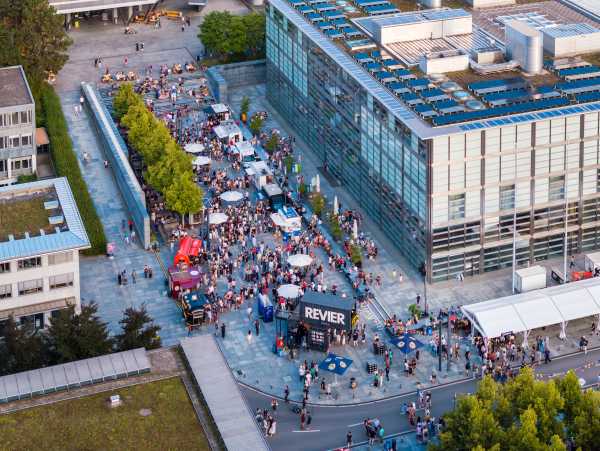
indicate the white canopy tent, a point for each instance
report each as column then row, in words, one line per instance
column 201, row 161
column 232, row 196
column 217, row 218
column 535, row 309
column 289, row 291
column 228, row 130
column 299, row 260
column 194, row 148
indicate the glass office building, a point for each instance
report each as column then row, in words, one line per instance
column 447, row 196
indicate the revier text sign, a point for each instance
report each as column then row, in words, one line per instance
column 326, row 316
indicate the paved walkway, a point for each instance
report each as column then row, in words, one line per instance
column 223, row 397
column 99, row 274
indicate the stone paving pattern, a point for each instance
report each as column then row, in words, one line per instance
column 253, row 363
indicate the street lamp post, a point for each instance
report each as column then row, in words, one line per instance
column 440, row 343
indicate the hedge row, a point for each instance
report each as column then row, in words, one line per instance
column 66, row 165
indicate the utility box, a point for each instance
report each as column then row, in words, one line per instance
column 592, row 261
column 532, row 278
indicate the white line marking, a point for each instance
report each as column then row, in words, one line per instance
column 355, row 424
column 311, row 430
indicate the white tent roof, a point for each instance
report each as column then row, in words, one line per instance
column 535, row 309
column 219, row 108
column 227, row 129
column 245, row 148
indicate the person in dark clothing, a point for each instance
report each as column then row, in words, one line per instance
column 257, row 327
column 286, row 393
column 349, row 439
column 222, row 330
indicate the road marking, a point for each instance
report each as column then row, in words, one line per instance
column 355, row 424
column 311, row 430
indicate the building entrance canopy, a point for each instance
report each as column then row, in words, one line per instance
column 527, row 311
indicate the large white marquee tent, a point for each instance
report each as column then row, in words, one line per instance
column 527, row 311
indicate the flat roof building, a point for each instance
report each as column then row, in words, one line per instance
column 17, row 126
column 70, row 7
column 443, row 161
column 41, row 234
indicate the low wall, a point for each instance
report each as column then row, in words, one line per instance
column 227, row 76
column 116, row 153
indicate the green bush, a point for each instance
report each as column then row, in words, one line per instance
column 356, row 255
column 336, row 230
column 66, row 165
column 317, row 202
column 27, row 178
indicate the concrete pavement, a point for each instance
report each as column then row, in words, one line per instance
column 331, row 423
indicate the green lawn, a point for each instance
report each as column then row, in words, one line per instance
column 89, row 424
column 22, row 216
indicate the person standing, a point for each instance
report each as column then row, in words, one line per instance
column 286, row 394
column 349, row 439
column 302, row 419
column 249, row 337
column 223, row 330
column 274, row 405
column 257, row 326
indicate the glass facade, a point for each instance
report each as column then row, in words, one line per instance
column 454, row 202
column 357, row 140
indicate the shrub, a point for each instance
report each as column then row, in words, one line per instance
column 336, row 230
column 27, row 178
column 66, row 165
column 256, row 123
column 317, row 203
column 356, row 255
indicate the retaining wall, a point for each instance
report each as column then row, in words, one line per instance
column 116, row 153
column 227, row 76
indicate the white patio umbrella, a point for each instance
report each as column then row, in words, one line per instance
column 299, row 260
column 194, row 147
column 318, row 184
column 217, row 218
column 232, row 196
column 336, row 206
column 201, row 161
column 288, row 291
column 355, row 229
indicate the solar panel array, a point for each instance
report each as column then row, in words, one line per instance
column 488, row 99
column 74, row 374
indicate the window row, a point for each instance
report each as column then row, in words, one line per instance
column 13, row 142
column 36, row 262
column 37, row 285
column 16, row 118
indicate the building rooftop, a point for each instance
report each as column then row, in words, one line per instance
column 39, row 218
column 375, row 50
column 14, row 89
column 78, row 6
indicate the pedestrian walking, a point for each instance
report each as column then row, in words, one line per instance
column 257, row 327
column 349, row 439
column 286, row 394
column 249, row 337
column 302, row 419
column 133, row 276
column 222, row 330
column 274, row 405
column 547, row 356
column 81, row 100
column 308, row 419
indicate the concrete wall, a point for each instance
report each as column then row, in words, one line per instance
column 226, row 76
column 116, row 153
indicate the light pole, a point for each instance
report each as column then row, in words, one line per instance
column 425, row 289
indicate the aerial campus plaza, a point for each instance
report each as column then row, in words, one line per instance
column 396, row 199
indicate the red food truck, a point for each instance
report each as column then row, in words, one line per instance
column 189, row 249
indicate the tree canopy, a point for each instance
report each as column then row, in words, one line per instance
column 523, row 414
column 22, row 349
column 32, row 35
column 73, row 337
column 138, row 330
column 233, row 38
column 168, row 167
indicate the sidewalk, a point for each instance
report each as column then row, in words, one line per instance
column 99, row 274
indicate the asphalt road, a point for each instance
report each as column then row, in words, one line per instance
column 331, row 423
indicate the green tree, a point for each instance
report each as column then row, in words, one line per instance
column 73, row 337
column 146, row 134
column 255, row 24
column 184, row 196
column 213, row 31
column 317, row 203
column 139, row 331
column 336, row 230
column 235, row 42
column 586, row 423
column 356, row 255
column 245, row 105
column 272, row 143
column 174, row 164
column 38, row 36
column 256, row 123
column 525, row 434
column 124, row 99
column 22, row 349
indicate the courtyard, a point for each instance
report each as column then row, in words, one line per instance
column 253, row 363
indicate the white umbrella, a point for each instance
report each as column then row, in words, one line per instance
column 318, row 184
column 232, row 196
column 217, row 218
column 201, row 161
column 194, row 147
column 336, row 206
column 582, row 382
column 288, row 291
column 355, row 229
column 299, row 260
